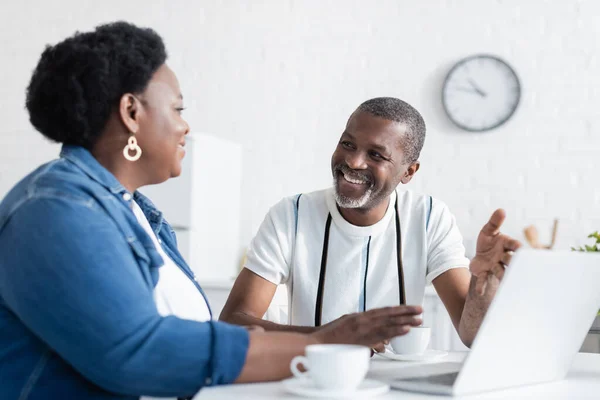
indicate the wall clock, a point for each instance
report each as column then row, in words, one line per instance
column 480, row 93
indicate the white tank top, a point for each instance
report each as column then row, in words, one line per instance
column 175, row 293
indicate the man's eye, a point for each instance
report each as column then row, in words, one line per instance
column 346, row 144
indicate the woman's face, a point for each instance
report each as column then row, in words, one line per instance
column 162, row 129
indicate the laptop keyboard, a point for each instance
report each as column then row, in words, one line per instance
column 443, row 379
column 440, row 379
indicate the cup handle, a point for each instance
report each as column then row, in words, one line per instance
column 294, row 366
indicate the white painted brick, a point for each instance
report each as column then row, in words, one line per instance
column 282, row 77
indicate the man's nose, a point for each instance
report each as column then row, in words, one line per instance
column 356, row 160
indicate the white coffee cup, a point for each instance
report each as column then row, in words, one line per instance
column 333, row 366
column 412, row 343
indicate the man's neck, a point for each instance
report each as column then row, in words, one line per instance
column 365, row 216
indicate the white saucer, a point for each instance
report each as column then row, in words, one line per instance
column 428, row 355
column 304, row 387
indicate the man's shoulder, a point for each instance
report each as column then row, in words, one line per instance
column 310, row 199
column 420, row 205
column 411, row 202
column 288, row 208
column 416, row 200
column 318, row 196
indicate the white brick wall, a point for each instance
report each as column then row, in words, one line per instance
column 281, row 77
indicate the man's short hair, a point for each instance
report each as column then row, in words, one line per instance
column 400, row 111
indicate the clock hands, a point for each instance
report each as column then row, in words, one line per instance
column 476, row 88
column 466, row 89
column 472, row 89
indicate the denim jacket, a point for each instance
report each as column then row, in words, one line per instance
column 77, row 312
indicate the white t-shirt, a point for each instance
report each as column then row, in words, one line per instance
column 361, row 266
column 175, row 293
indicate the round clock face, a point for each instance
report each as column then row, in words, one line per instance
column 481, row 93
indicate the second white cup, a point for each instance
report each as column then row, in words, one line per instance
column 333, row 366
column 412, row 343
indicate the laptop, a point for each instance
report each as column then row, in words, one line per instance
column 541, row 313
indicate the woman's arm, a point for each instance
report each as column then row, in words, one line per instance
column 68, row 273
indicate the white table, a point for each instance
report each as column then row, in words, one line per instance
column 582, row 382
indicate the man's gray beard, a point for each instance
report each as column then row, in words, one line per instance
column 346, row 202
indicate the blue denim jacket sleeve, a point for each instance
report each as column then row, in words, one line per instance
column 80, row 290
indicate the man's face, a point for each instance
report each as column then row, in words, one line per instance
column 368, row 162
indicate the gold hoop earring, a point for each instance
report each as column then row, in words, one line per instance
column 132, row 145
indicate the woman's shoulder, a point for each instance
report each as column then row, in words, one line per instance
column 54, row 182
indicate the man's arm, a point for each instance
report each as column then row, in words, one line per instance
column 465, row 306
column 268, row 262
column 248, row 302
column 467, row 297
column 475, row 309
column 270, row 353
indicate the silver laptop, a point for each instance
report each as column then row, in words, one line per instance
column 535, row 325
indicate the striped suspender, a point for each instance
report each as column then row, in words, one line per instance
column 322, row 273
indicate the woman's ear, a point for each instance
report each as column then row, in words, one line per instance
column 129, row 112
column 410, row 172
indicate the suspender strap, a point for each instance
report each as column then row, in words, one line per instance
column 402, row 295
column 320, row 289
column 319, row 304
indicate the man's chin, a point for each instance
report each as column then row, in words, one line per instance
column 352, row 192
column 345, row 201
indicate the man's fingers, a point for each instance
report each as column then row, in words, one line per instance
column 492, row 227
column 506, row 258
column 498, row 271
column 477, row 269
column 395, row 311
column 379, row 348
column 375, row 326
column 385, row 329
column 390, row 331
column 404, row 320
column 399, row 326
column 512, row 244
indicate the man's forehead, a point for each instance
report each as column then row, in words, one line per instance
column 374, row 127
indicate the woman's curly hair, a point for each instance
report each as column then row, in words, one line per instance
column 78, row 82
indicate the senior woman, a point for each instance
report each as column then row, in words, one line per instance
column 95, row 299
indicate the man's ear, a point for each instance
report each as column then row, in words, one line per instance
column 410, row 172
column 129, row 112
